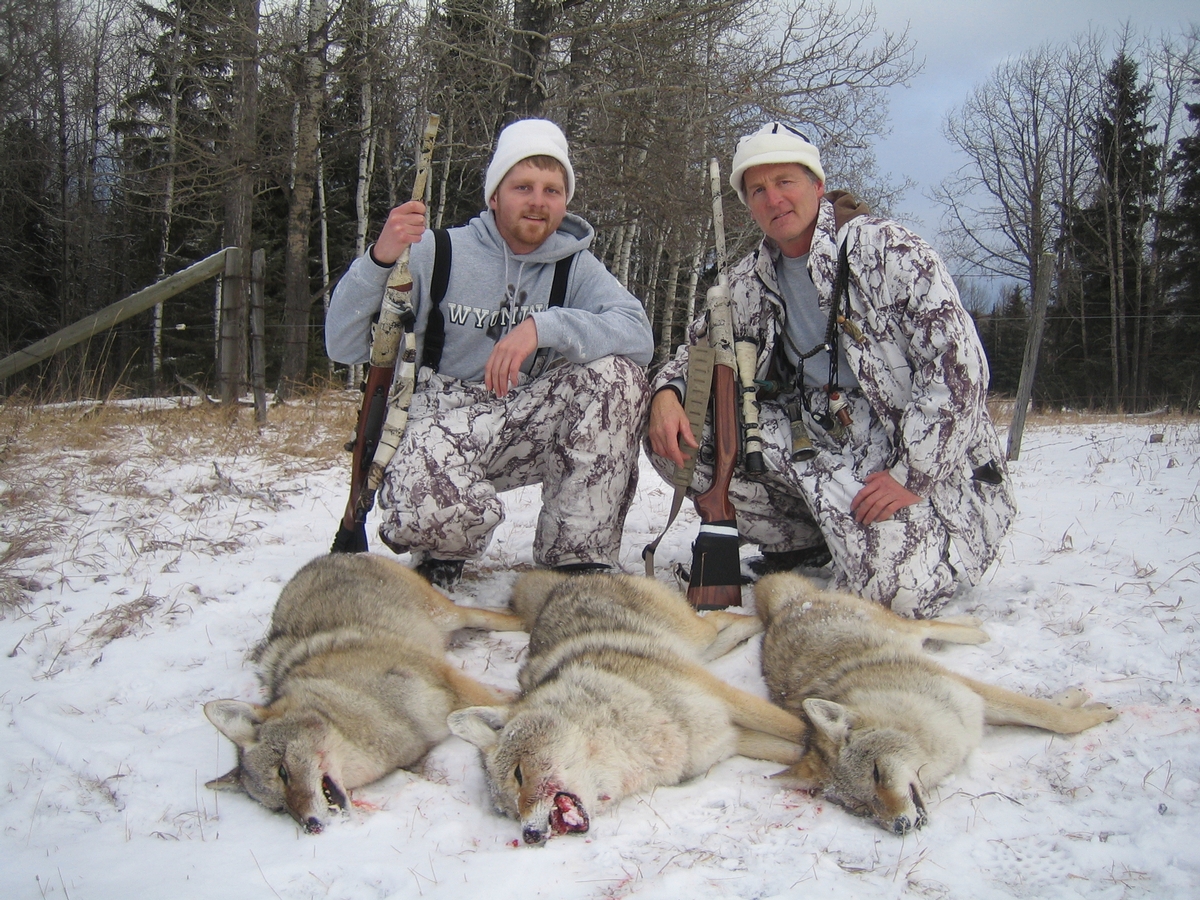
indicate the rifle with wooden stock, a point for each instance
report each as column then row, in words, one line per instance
column 380, row 423
column 716, row 580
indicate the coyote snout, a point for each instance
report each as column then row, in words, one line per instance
column 567, row 815
column 538, row 769
column 876, row 771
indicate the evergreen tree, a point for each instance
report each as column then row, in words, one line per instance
column 1003, row 334
column 1181, row 247
column 1108, row 238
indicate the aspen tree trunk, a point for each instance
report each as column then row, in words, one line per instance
column 626, row 252
column 239, row 202
column 164, row 237
column 297, row 281
column 650, row 301
column 670, row 300
column 366, row 165
column 449, row 144
column 694, row 277
column 323, row 221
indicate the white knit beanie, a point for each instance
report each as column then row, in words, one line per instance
column 521, row 140
column 774, row 143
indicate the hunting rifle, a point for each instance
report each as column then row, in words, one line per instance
column 380, row 424
column 716, row 569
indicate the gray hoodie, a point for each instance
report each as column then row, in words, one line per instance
column 491, row 286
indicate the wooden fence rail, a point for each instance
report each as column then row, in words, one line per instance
column 117, row 312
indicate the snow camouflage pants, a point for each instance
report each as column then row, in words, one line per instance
column 901, row 563
column 574, row 430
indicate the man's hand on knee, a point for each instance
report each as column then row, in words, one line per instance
column 503, row 367
column 669, row 427
column 881, row 498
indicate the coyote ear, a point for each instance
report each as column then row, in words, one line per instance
column 478, row 725
column 832, row 719
column 230, row 781
column 235, row 719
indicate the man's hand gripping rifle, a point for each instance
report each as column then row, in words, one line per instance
column 380, row 424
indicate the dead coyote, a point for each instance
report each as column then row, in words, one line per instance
column 888, row 723
column 357, row 685
column 615, row 700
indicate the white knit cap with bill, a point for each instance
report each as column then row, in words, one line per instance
column 774, row 143
column 521, row 140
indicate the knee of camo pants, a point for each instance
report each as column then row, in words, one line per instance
column 589, row 473
column 602, row 406
column 771, row 508
column 448, row 522
column 434, row 497
column 901, row 563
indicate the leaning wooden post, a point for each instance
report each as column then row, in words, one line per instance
column 92, row 325
column 1033, row 345
column 258, row 360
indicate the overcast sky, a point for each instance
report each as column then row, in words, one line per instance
column 962, row 42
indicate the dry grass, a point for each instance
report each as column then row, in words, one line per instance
column 15, row 589
column 1001, row 410
column 312, row 428
column 57, row 462
column 127, row 619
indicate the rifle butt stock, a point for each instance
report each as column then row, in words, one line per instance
column 351, row 536
column 716, row 567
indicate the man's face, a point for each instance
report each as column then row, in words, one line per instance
column 529, row 205
column 784, row 199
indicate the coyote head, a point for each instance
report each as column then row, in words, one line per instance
column 870, row 771
column 538, row 770
column 281, row 763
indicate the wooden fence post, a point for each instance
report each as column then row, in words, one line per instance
column 258, row 359
column 231, row 351
column 1033, row 345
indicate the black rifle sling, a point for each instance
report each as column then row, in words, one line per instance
column 435, row 328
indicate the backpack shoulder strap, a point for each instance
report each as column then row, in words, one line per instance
column 562, row 271
column 435, row 328
column 558, row 296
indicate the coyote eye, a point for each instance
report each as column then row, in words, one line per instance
column 283, row 774
column 875, row 773
column 517, row 775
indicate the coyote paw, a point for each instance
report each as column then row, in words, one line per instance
column 1099, row 712
column 1071, row 698
column 1083, row 715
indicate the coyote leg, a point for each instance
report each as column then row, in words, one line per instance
column 757, row 745
column 487, row 619
column 471, row 692
column 731, row 630
column 1069, row 716
column 751, row 712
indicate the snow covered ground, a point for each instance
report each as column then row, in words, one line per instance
column 151, row 553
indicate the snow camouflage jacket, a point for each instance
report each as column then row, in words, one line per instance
column 921, row 366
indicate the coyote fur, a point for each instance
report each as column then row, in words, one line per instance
column 615, row 700
column 357, row 685
column 887, row 722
